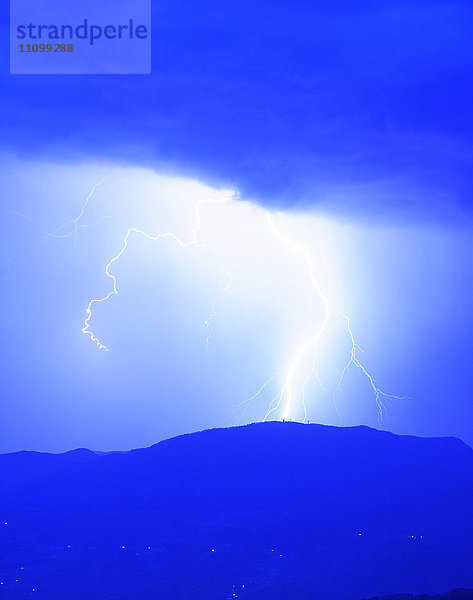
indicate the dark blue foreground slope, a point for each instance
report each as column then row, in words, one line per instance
column 453, row 595
column 268, row 511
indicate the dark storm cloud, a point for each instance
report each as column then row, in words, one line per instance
column 362, row 107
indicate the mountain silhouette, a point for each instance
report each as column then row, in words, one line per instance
column 278, row 511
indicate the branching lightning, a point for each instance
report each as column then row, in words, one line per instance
column 296, row 377
column 291, row 397
column 194, row 241
column 292, row 381
column 60, row 232
column 247, row 402
column 381, row 397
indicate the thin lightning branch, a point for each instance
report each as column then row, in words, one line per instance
column 75, row 221
column 380, row 397
column 194, row 241
column 276, row 402
column 56, row 234
column 222, row 290
column 247, row 402
column 22, row 215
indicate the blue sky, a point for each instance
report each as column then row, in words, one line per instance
column 359, row 113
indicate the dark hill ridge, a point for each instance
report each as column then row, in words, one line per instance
column 273, row 510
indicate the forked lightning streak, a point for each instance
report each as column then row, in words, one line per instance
column 292, row 395
column 194, row 241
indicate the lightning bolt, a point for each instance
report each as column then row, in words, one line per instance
column 248, row 401
column 75, row 222
column 292, row 395
column 288, row 396
column 194, row 241
column 59, row 232
column 381, row 398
